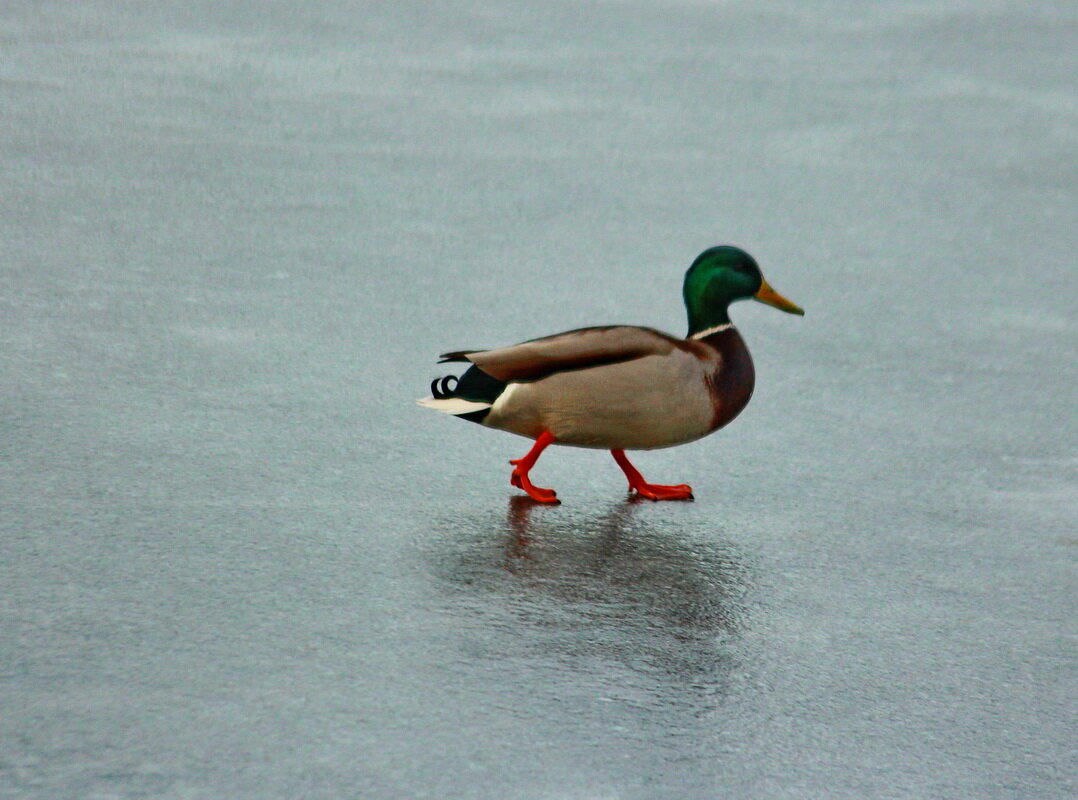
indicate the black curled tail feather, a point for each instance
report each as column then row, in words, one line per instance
column 474, row 385
column 440, row 388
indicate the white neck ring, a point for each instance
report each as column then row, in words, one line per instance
column 705, row 333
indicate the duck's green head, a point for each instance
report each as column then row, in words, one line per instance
column 718, row 277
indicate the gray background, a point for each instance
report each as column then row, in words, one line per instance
column 238, row 562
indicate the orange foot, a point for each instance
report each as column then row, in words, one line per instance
column 520, row 480
column 519, row 477
column 656, row 491
column 652, row 491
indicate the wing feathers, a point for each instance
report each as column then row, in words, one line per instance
column 573, row 350
column 456, row 355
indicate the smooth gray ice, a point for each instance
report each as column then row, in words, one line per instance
column 237, row 561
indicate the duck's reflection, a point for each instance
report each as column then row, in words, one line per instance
column 643, row 590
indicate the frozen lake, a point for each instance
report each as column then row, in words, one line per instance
column 237, row 561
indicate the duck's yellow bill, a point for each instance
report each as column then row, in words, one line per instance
column 770, row 297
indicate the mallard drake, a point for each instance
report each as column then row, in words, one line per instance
column 620, row 387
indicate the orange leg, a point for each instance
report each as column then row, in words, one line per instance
column 523, row 466
column 652, row 491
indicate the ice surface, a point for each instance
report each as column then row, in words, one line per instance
column 236, row 560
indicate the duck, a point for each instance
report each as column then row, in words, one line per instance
column 619, row 387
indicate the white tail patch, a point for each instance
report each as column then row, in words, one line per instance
column 453, row 405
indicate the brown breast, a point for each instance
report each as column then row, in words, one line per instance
column 732, row 380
